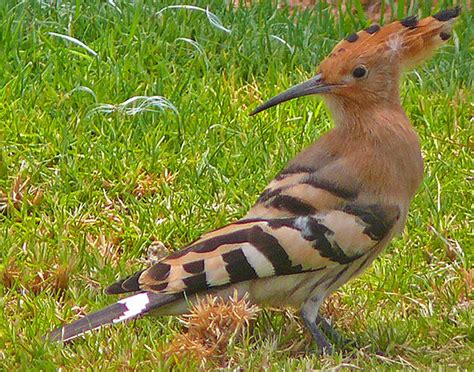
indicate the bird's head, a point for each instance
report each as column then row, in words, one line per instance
column 365, row 67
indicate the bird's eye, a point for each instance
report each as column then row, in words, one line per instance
column 360, row 72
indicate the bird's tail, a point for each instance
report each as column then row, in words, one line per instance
column 128, row 308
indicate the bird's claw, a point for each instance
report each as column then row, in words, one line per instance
column 321, row 329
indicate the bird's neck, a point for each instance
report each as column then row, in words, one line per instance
column 381, row 144
column 383, row 121
column 363, row 115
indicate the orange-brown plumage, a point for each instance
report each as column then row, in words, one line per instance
column 329, row 213
column 386, row 52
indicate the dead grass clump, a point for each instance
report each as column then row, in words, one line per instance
column 455, row 293
column 109, row 248
column 340, row 313
column 148, row 184
column 10, row 275
column 468, row 279
column 21, row 192
column 113, row 209
column 54, row 280
column 465, row 300
column 211, row 326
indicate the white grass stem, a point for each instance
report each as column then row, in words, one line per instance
column 213, row 19
column 285, row 43
column 74, row 41
column 135, row 105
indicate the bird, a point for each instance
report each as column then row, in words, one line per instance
column 327, row 215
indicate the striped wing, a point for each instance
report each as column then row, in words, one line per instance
column 258, row 248
column 301, row 190
column 302, row 222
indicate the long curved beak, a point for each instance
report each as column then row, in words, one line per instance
column 314, row 85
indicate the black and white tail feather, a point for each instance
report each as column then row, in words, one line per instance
column 126, row 309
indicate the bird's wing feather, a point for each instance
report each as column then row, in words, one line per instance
column 258, row 248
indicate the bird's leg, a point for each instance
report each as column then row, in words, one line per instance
column 329, row 330
column 309, row 313
column 324, row 346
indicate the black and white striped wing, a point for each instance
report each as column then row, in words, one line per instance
column 259, row 248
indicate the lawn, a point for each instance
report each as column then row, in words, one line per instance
column 93, row 184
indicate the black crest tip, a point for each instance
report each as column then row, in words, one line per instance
column 447, row 14
column 444, row 36
column 410, row 22
column 352, row 38
column 372, row 29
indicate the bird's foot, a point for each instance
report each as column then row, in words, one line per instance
column 323, row 333
column 323, row 344
column 334, row 335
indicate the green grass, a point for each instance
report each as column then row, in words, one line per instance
column 92, row 226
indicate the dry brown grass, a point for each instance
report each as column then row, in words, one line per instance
column 148, row 184
column 54, row 280
column 21, row 192
column 109, row 247
column 210, row 327
column 10, row 275
column 344, row 316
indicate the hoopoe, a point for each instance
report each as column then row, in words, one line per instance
column 328, row 214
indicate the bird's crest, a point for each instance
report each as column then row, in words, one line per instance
column 365, row 67
column 408, row 41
